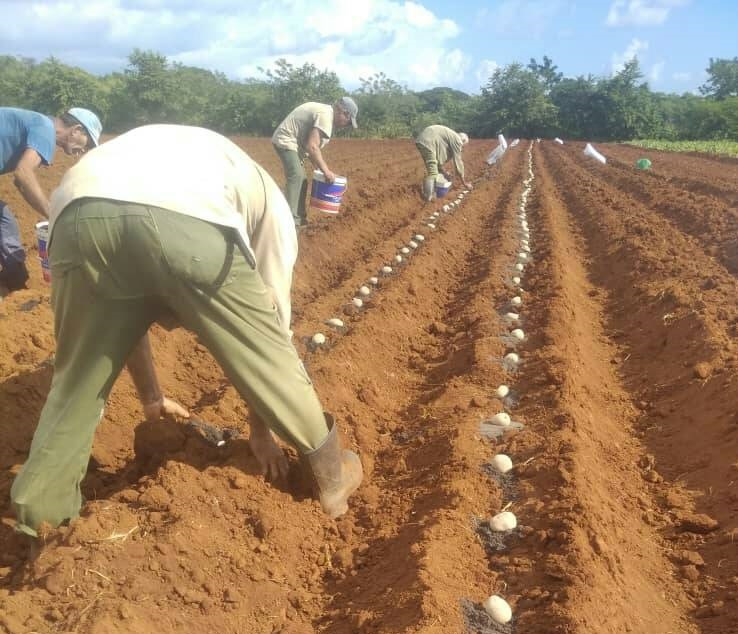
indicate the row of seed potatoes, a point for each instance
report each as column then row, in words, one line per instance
column 506, row 521
column 359, row 302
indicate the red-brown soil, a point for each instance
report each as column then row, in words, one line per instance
column 626, row 473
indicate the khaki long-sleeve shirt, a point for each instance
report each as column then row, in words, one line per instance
column 198, row 173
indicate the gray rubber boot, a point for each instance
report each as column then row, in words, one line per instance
column 429, row 188
column 337, row 472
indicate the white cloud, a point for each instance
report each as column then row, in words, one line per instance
column 409, row 42
column 485, row 70
column 632, row 51
column 524, row 17
column 641, row 12
column 655, row 73
column 418, row 15
column 682, row 76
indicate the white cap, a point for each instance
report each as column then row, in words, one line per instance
column 464, row 137
column 89, row 122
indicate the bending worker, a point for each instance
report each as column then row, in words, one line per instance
column 170, row 222
column 438, row 144
column 303, row 133
column 27, row 140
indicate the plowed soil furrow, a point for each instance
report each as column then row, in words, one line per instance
column 334, row 299
column 670, row 311
column 707, row 213
column 694, row 172
column 411, row 413
column 595, row 540
column 382, row 200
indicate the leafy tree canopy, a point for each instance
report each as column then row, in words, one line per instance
column 526, row 101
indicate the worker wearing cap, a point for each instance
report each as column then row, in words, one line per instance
column 438, row 144
column 172, row 223
column 27, row 140
column 303, row 133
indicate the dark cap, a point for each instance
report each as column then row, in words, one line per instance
column 349, row 105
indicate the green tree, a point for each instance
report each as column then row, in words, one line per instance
column 380, row 84
column 54, row 87
column 14, row 74
column 514, row 102
column 150, row 89
column 723, row 79
column 294, row 85
column 547, row 72
column 630, row 108
column 247, row 108
column 532, row 100
column 199, row 96
column 582, row 109
column 447, row 106
column 386, row 108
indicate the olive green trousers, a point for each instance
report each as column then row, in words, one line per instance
column 116, row 268
column 430, row 160
column 295, row 188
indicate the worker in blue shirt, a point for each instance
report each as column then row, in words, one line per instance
column 28, row 139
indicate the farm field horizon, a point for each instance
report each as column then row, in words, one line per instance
column 624, row 443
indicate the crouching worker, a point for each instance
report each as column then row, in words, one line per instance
column 437, row 145
column 172, row 221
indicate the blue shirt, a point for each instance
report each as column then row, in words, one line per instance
column 22, row 129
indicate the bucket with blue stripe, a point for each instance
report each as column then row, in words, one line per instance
column 42, row 237
column 324, row 196
column 442, row 189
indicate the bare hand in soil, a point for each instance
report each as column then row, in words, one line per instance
column 469, row 186
column 164, row 408
column 272, row 462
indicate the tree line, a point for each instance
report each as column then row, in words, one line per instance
column 533, row 100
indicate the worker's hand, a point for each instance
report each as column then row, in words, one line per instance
column 272, row 461
column 330, row 177
column 164, row 408
column 469, row 186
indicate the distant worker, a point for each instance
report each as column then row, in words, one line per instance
column 438, row 144
column 173, row 224
column 301, row 135
column 27, row 140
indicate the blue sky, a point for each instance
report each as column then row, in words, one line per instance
column 420, row 43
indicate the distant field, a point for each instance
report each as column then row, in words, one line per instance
column 724, row 148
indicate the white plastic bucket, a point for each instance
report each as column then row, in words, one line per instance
column 42, row 236
column 442, row 186
column 324, row 196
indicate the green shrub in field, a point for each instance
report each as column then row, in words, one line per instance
column 723, row 148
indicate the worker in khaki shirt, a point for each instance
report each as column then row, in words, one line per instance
column 437, row 145
column 172, row 221
column 302, row 134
